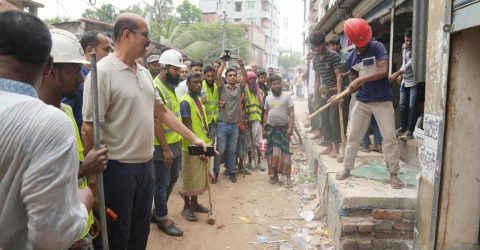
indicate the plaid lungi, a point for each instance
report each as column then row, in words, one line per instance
column 278, row 150
column 194, row 176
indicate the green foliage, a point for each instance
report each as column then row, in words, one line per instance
column 58, row 19
column 189, row 13
column 106, row 13
column 161, row 10
column 136, row 9
column 204, row 41
column 290, row 61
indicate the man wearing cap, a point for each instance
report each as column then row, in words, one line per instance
column 368, row 65
column 153, row 65
column 129, row 111
column 167, row 157
column 63, row 81
column 91, row 41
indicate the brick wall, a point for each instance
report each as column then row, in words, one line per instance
column 381, row 229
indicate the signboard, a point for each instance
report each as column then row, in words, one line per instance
column 427, row 153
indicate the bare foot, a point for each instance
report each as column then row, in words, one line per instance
column 327, row 151
column 315, row 135
column 333, row 154
column 395, row 182
column 343, row 175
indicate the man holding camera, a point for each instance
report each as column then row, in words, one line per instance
column 229, row 116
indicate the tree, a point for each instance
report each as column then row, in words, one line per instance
column 106, row 13
column 160, row 10
column 203, row 41
column 189, row 13
column 291, row 60
column 58, row 19
column 164, row 33
column 136, row 9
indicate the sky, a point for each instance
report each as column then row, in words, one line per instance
column 291, row 15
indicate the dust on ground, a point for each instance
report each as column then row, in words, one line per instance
column 250, row 214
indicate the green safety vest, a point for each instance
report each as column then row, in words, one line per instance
column 82, row 182
column 173, row 105
column 211, row 103
column 199, row 126
column 253, row 107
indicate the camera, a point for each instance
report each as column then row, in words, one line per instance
column 227, row 56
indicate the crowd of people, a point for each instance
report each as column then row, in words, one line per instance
column 363, row 73
column 150, row 111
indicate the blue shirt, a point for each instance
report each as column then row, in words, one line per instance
column 77, row 102
column 365, row 64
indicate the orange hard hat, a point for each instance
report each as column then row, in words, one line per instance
column 358, row 31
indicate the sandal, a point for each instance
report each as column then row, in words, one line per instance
column 342, row 175
column 199, row 208
column 273, row 180
column 289, row 184
column 189, row 215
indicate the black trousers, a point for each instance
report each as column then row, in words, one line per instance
column 129, row 193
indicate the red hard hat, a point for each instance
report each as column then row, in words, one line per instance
column 358, row 31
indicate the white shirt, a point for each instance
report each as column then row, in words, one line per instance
column 39, row 205
column 181, row 89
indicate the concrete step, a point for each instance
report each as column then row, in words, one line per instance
column 364, row 198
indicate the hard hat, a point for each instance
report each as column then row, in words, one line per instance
column 172, row 57
column 66, row 48
column 358, row 31
column 250, row 75
column 153, row 58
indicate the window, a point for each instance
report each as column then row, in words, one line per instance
column 238, row 6
column 265, row 6
column 237, row 20
column 265, row 23
column 250, row 4
column 219, row 6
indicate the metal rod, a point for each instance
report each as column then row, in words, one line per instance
column 96, row 140
column 392, row 37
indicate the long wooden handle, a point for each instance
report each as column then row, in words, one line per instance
column 96, row 138
column 344, row 93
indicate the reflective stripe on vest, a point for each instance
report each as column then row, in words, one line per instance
column 198, row 124
column 172, row 103
column 82, row 182
column 211, row 102
column 253, row 107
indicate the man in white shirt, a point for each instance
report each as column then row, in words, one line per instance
column 40, row 206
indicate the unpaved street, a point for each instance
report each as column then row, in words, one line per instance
column 272, row 209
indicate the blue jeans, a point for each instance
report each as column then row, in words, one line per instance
column 299, row 91
column 165, row 179
column 227, row 137
column 410, row 97
column 377, row 136
column 129, row 193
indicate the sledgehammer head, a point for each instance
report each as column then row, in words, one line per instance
column 211, row 218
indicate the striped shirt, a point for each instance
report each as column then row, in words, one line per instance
column 326, row 67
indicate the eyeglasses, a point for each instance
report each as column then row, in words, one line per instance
column 144, row 33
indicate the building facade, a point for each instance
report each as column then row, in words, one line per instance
column 263, row 13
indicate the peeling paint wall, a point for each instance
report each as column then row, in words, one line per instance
column 460, row 198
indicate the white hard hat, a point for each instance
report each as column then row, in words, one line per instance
column 66, row 48
column 153, row 58
column 172, row 57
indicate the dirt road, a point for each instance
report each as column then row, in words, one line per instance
column 253, row 198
